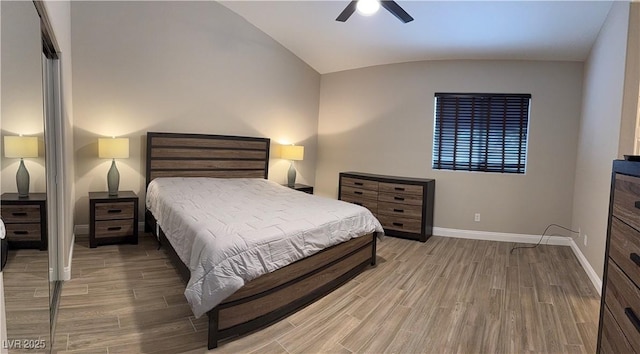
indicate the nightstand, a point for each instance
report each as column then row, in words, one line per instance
column 114, row 219
column 301, row 187
column 25, row 220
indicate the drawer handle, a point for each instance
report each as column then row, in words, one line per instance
column 398, row 210
column 632, row 317
column 357, row 192
column 399, row 189
column 114, row 211
column 635, row 258
column 114, row 228
column 21, row 232
column 398, row 198
column 21, row 213
column 637, row 204
column 398, row 224
column 358, row 183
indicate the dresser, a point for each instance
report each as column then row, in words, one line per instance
column 114, row 219
column 25, row 220
column 404, row 206
column 619, row 330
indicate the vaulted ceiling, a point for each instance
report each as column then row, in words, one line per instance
column 514, row 30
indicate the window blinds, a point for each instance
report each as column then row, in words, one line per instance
column 481, row 132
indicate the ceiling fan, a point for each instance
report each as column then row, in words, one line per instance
column 368, row 7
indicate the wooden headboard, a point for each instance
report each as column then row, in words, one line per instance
column 201, row 155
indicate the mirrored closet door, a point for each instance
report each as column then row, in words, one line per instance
column 30, row 262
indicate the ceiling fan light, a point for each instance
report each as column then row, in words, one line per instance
column 368, row 7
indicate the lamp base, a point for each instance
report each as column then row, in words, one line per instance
column 113, row 179
column 22, row 180
column 291, row 176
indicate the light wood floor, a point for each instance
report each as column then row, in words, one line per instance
column 26, row 296
column 445, row 295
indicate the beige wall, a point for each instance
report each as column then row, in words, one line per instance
column 192, row 67
column 380, row 120
column 600, row 133
column 631, row 84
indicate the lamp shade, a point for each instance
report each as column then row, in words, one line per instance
column 292, row 152
column 113, row 148
column 20, row 146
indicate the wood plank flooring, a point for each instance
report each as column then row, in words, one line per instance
column 26, row 296
column 443, row 296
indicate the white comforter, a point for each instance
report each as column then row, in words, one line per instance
column 229, row 231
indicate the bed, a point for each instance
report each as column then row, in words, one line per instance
column 268, row 297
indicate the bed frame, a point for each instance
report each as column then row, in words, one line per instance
column 272, row 296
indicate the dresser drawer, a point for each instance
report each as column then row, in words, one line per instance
column 359, row 183
column 112, row 211
column 400, row 223
column 613, row 340
column 626, row 199
column 400, row 189
column 358, row 193
column 372, row 205
column 23, row 232
column 114, row 218
column 624, row 249
column 114, row 228
column 21, row 213
column 406, row 199
column 623, row 300
column 403, row 210
column 404, row 206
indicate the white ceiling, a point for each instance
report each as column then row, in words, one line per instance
column 519, row 30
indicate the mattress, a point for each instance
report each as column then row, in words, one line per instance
column 230, row 231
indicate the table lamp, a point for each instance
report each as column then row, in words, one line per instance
column 21, row 147
column 113, row 148
column 293, row 153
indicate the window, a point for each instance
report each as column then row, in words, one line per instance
column 481, row 132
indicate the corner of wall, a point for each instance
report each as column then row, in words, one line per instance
column 629, row 119
column 600, row 137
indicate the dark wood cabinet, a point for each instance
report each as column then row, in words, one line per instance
column 619, row 329
column 301, row 187
column 404, row 206
column 114, row 219
column 25, row 220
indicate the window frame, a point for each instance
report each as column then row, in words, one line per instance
column 488, row 137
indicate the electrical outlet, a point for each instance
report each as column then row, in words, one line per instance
column 585, row 239
column 477, row 217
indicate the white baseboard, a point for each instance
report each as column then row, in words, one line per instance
column 84, row 229
column 501, row 236
column 66, row 275
column 591, row 273
column 523, row 238
column 66, row 271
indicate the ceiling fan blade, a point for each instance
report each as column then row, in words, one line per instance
column 347, row 12
column 396, row 10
